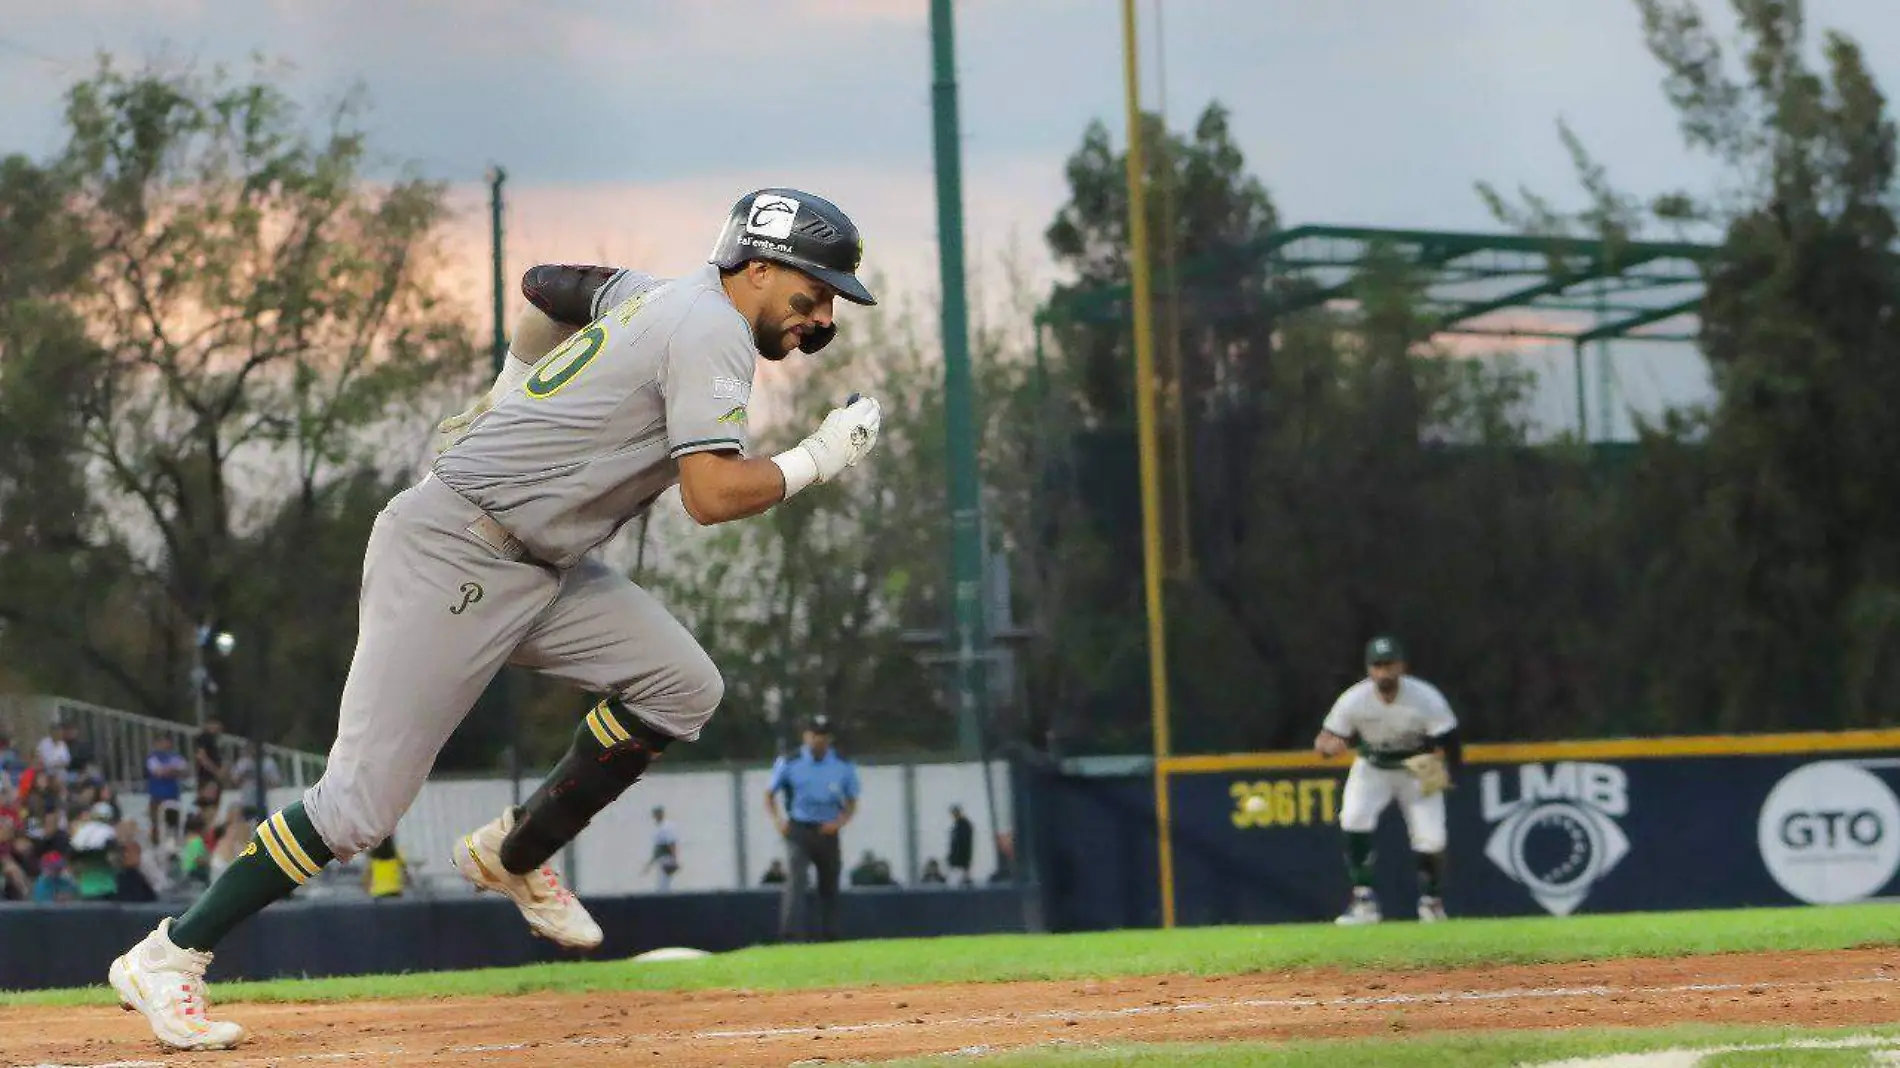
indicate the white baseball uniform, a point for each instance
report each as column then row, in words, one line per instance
column 1386, row 733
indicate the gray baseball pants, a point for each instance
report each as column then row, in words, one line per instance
column 806, row 845
column 447, row 598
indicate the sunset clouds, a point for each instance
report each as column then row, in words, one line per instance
column 628, row 126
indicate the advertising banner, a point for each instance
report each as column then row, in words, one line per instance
column 1558, row 829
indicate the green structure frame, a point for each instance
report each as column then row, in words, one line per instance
column 1511, row 286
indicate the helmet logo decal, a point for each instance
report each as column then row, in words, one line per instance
column 772, row 216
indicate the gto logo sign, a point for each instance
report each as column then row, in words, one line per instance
column 1830, row 832
column 1556, row 832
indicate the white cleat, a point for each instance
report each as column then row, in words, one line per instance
column 551, row 909
column 167, row 984
column 1431, row 909
column 1363, row 910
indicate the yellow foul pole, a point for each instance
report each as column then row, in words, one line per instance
column 1150, row 458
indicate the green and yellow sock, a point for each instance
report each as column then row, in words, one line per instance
column 284, row 854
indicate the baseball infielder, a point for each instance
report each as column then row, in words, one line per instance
column 486, row 561
column 1405, row 733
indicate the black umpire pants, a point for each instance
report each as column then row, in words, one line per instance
column 805, row 845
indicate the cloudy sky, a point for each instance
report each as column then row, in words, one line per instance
column 628, row 126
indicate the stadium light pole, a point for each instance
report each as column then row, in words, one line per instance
column 202, row 685
column 970, row 643
column 1141, row 293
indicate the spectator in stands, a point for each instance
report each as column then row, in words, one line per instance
column 17, row 868
column 962, row 844
column 109, row 797
column 77, row 747
column 194, row 857
column 44, row 805
column 171, row 822
column 666, row 849
column 244, row 775
column 54, row 884
column 164, row 771
column 774, row 873
column 11, row 762
column 41, row 841
column 150, row 863
column 386, row 874
column 94, row 864
column 86, row 787
column 206, row 800
column 872, row 870
column 133, row 884
column 239, row 823
column 932, row 874
column 10, row 802
column 208, row 762
column 94, row 829
column 55, row 756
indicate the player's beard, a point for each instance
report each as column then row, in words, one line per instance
column 775, row 341
column 1387, row 687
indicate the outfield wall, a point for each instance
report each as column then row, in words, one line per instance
column 1613, row 826
column 72, row 945
column 726, row 840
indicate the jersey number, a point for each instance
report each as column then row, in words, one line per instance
column 563, row 364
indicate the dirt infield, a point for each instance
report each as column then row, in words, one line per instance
column 740, row 1028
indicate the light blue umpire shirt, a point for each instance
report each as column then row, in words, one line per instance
column 816, row 790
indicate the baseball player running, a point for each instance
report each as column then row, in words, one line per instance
column 486, row 561
column 1405, row 733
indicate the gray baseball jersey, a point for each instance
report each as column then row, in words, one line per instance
column 596, row 432
column 1388, row 733
column 485, row 561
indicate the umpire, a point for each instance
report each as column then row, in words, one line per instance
column 821, row 795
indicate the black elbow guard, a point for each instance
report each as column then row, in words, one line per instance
column 565, row 292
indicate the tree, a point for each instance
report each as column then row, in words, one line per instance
column 45, row 358
column 257, row 323
column 1773, row 600
column 807, row 608
column 1319, row 458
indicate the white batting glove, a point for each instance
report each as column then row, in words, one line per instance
column 846, row 436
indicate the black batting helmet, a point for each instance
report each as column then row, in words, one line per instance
column 800, row 230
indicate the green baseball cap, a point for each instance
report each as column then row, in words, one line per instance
column 1384, row 648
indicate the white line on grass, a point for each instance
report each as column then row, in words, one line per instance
column 1691, row 1057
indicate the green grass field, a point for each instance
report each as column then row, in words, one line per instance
column 1189, row 951
column 1202, row 951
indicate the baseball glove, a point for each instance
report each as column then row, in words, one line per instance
column 1429, row 770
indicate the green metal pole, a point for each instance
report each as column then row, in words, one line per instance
column 499, row 352
column 966, row 510
column 509, row 681
column 1583, row 410
column 1605, row 375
